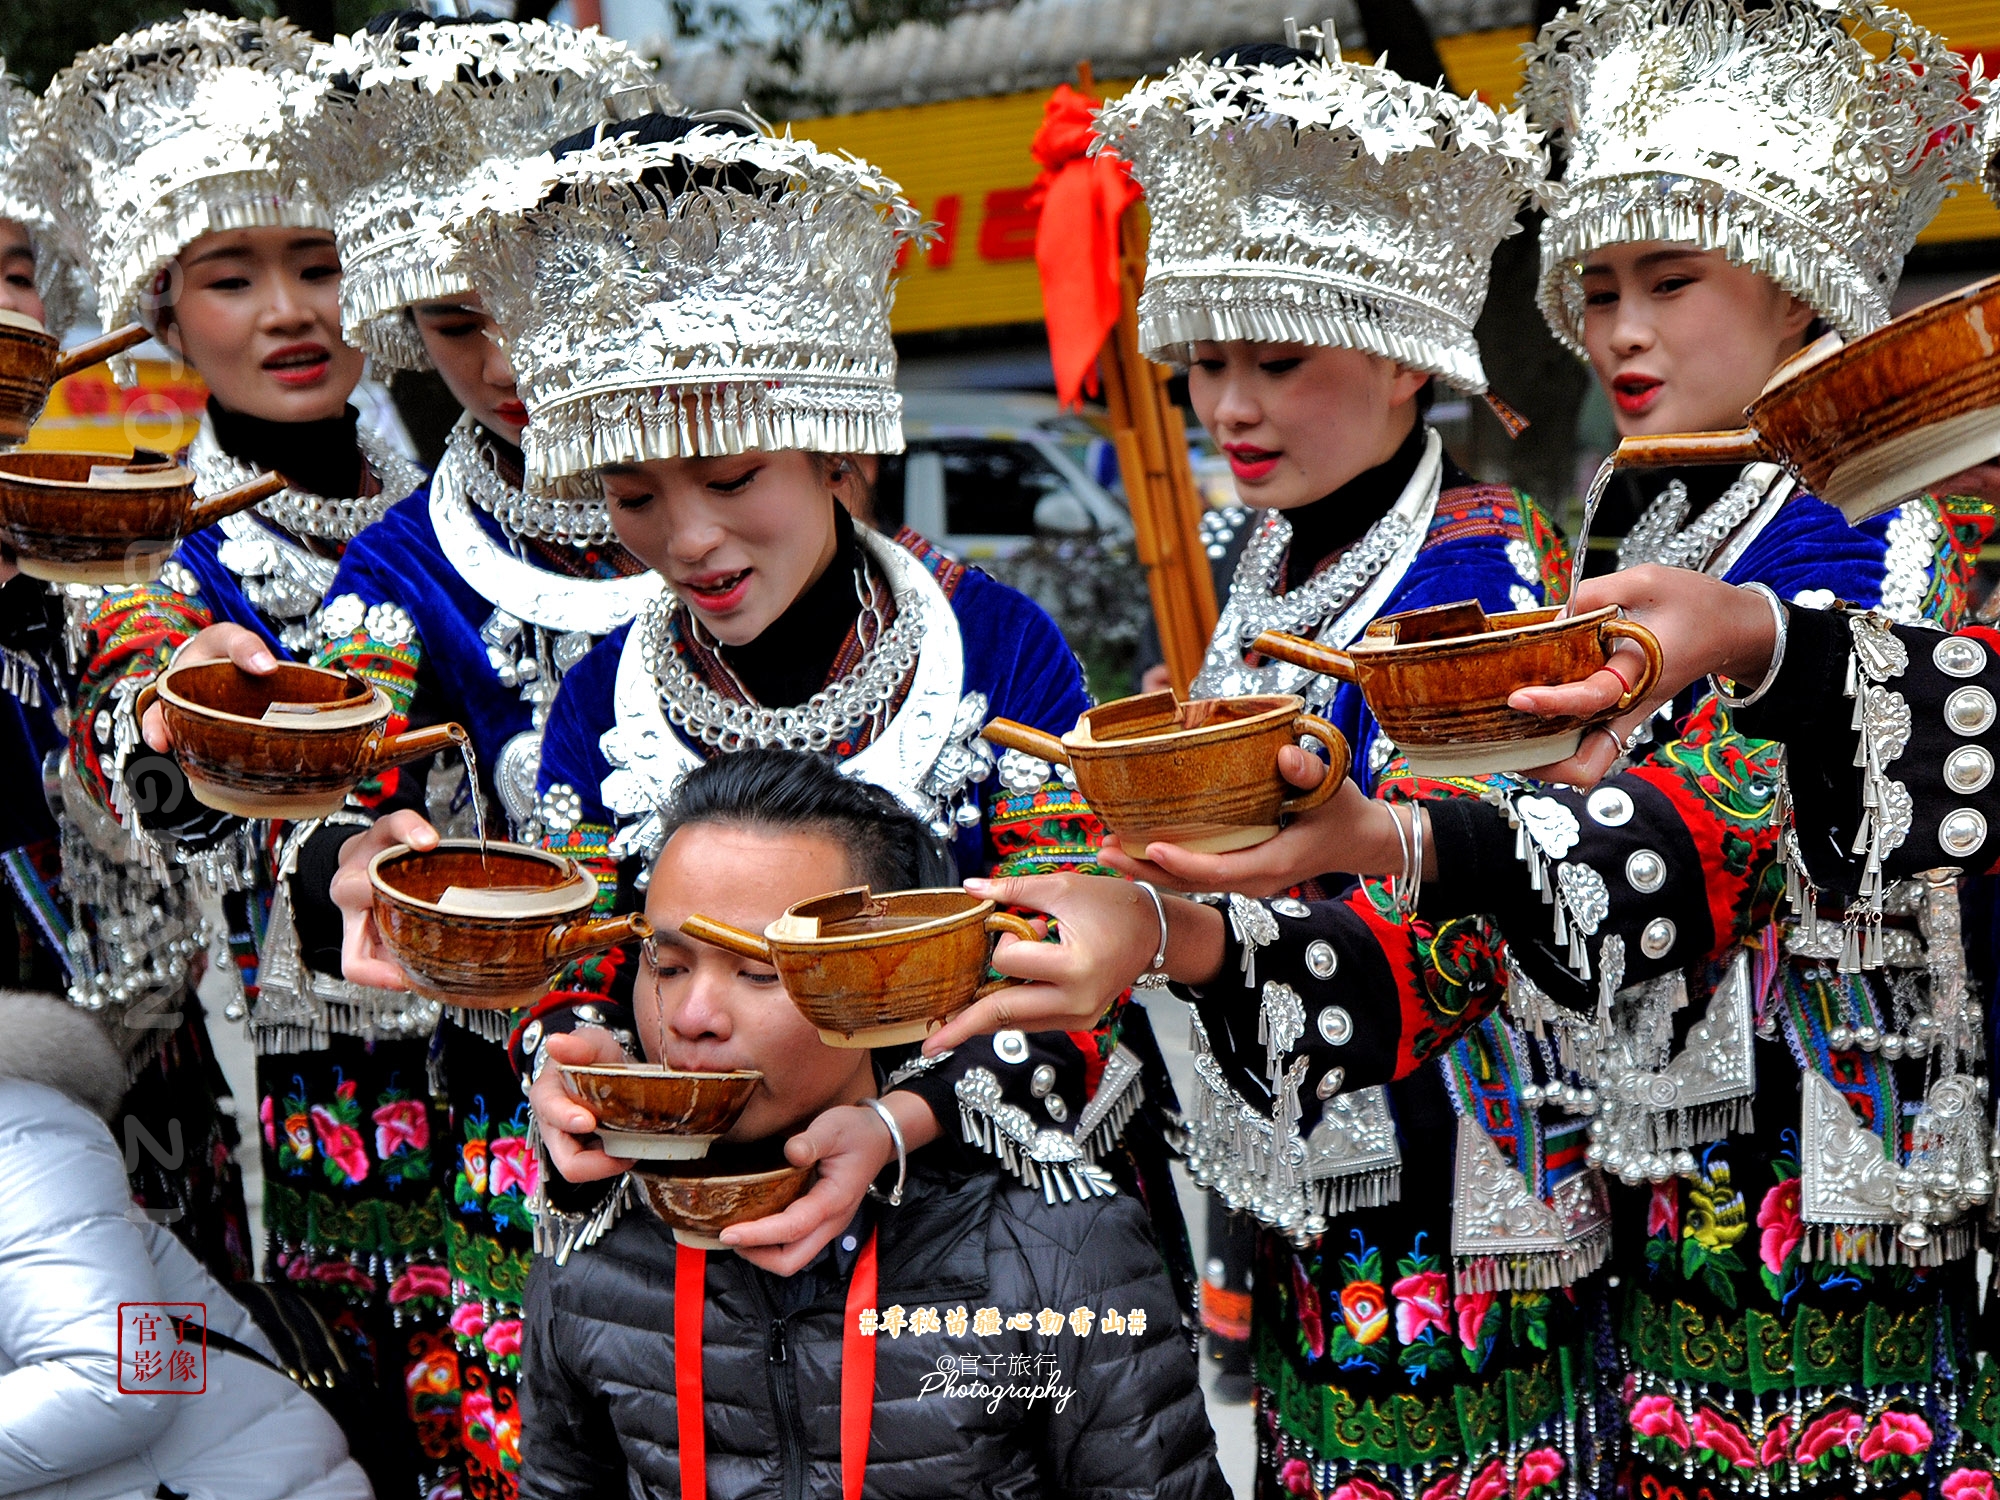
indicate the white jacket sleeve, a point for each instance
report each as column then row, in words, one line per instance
column 69, row 1254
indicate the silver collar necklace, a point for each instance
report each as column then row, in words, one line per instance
column 302, row 514
column 1319, row 607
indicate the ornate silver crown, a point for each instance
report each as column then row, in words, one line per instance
column 56, row 276
column 1809, row 140
column 166, row 134
column 391, row 126
column 1324, row 202
column 644, row 323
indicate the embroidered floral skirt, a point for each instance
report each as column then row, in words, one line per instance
column 1374, row 1382
column 1754, row 1371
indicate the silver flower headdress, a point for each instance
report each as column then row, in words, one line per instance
column 645, row 323
column 1809, row 140
column 56, row 274
column 1992, row 145
column 392, row 126
column 163, row 135
column 1321, row 201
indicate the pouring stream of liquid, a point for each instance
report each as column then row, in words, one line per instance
column 1598, row 484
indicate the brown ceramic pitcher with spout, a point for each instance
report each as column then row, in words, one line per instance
column 876, row 971
column 1866, row 425
column 1437, row 680
column 32, row 361
column 1202, row 774
column 487, row 926
column 289, row 743
column 104, row 519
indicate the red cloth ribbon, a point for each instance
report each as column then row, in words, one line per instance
column 857, row 1371
column 1082, row 198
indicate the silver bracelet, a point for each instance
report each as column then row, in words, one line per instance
column 1417, row 858
column 1399, row 885
column 894, row 1197
column 1777, row 651
column 1155, row 976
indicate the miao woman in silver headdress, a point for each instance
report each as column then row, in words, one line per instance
column 466, row 605
column 1321, row 240
column 698, row 312
column 118, row 935
column 1791, row 1316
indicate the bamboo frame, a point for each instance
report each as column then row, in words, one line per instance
column 1151, row 439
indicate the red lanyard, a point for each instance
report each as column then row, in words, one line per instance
column 857, row 1371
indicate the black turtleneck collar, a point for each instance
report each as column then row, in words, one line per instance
column 1332, row 523
column 321, row 457
column 794, row 656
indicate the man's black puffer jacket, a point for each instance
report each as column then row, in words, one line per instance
column 597, row 1378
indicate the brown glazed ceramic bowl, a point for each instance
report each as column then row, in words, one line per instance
column 487, row 929
column 699, row 1206
column 291, row 743
column 876, row 971
column 32, row 361
column 1201, row 774
column 103, row 518
column 1866, row 425
column 648, row 1111
column 1438, row 680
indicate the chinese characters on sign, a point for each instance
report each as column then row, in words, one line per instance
column 987, row 1322
column 163, row 1348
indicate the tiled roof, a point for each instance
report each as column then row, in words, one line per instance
column 1037, row 44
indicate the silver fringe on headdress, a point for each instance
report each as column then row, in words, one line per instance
column 56, row 276
column 645, row 325
column 1808, row 140
column 392, row 126
column 1322, row 202
column 166, row 134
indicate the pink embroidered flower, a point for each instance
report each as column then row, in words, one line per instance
column 1658, row 1417
column 335, row 1273
column 1968, row 1484
column 1420, row 1306
column 1445, row 1489
column 468, row 1320
column 513, row 1165
column 504, row 1337
column 401, row 1124
column 1540, row 1467
column 1305, row 1296
column 1896, row 1434
column 1778, row 1217
column 1777, row 1441
column 1828, row 1434
column 1663, row 1213
column 1491, row 1483
column 342, row 1144
column 421, row 1281
column 1358, row 1488
column 1723, row 1438
column 1472, row 1308
column 1297, row 1476
column 267, row 1114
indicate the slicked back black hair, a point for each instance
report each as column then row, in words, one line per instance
column 887, row 845
column 646, row 130
column 1262, row 55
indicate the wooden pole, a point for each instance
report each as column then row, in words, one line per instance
column 1151, row 440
